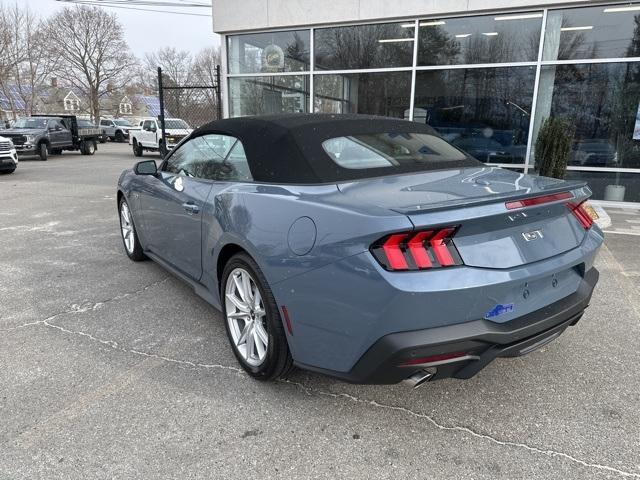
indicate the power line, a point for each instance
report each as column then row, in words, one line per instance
column 152, row 3
column 104, row 5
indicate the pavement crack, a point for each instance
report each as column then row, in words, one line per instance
column 459, row 428
column 116, row 346
column 87, row 306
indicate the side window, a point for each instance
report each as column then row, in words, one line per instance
column 188, row 159
column 146, row 125
column 212, row 157
column 228, row 162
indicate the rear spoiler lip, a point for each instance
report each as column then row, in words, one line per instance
column 579, row 189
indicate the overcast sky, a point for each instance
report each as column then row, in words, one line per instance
column 149, row 31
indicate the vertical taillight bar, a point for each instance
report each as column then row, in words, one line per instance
column 419, row 250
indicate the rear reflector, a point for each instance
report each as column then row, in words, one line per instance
column 530, row 202
column 434, row 358
column 420, row 250
column 287, row 320
column 581, row 214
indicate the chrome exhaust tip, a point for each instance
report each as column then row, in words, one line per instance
column 419, row 378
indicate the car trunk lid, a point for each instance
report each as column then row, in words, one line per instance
column 474, row 200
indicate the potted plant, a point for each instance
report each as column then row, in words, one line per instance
column 553, row 147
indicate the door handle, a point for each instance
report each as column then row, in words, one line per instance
column 191, row 208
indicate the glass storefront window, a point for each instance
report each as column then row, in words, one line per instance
column 269, row 52
column 268, row 95
column 484, row 111
column 386, row 94
column 595, row 32
column 382, row 45
column 482, row 39
column 602, row 100
column 611, row 186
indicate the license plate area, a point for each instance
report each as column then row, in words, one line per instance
column 525, row 297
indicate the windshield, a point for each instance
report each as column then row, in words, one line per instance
column 175, row 123
column 31, row 123
column 123, row 123
column 393, row 151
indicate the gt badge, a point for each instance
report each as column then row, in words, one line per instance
column 534, row 235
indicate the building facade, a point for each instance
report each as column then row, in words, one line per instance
column 484, row 73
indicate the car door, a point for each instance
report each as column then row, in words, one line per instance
column 59, row 135
column 144, row 130
column 153, row 134
column 172, row 203
column 54, row 129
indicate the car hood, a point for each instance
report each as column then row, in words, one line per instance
column 21, row 131
column 440, row 189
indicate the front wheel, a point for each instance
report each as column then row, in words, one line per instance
column 137, row 148
column 119, row 137
column 253, row 322
column 43, row 152
column 129, row 235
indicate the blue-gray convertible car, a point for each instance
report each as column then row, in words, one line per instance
column 365, row 248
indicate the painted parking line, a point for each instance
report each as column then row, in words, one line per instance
column 623, row 232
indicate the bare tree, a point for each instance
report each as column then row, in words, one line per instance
column 37, row 62
column 12, row 50
column 93, row 54
column 177, row 65
column 204, row 74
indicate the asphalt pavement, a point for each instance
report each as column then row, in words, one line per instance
column 114, row 369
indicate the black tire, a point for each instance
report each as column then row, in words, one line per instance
column 103, row 138
column 43, row 151
column 87, row 147
column 278, row 361
column 137, row 148
column 136, row 254
column 119, row 137
column 7, row 171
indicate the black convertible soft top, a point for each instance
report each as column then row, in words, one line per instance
column 287, row 148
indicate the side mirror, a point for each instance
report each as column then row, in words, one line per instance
column 154, row 129
column 146, row 167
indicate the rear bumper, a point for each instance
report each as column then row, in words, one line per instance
column 481, row 340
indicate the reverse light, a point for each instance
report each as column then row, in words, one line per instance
column 580, row 212
column 421, row 250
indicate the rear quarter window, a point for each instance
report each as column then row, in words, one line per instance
column 391, row 151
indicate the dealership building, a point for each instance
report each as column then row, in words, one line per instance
column 484, row 73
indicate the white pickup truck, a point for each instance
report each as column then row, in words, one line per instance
column 148, row 135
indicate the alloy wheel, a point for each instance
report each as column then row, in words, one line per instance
column 128, row 234
column 246, row 317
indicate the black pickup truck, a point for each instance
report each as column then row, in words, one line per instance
column 45, row 135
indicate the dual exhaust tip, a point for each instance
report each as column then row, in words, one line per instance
column 419, row 378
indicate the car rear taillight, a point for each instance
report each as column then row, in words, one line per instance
column 419, row 250
column 581, row 214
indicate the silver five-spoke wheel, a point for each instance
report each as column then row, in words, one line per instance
column 128, row 233
column 246, row 317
